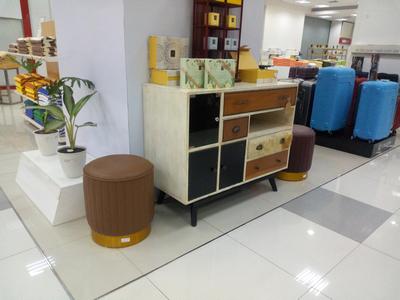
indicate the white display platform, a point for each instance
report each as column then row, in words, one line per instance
column 59, row 198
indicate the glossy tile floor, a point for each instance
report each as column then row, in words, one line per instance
column 333, row 236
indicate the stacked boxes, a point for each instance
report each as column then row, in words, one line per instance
column 24, row 46
column 219, row 73
column 32, row 87
column 13, row 48
column 44, row 46
column 29, row 84
column 165, row 54
column 231, row 21
column 192, row 73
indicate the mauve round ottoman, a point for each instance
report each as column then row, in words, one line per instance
column 301, row 154
column 119, row 201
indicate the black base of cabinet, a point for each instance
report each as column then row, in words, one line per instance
column 340, row 141
column 195, row 206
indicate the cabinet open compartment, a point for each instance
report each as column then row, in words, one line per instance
column 271, row 122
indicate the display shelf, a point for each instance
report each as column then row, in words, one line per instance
column 34, row 57
column 31, row 121
column 26, row 97
column 270, row 122
column 59, row 198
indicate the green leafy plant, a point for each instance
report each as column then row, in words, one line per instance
column 59, row 117
column 28, row 64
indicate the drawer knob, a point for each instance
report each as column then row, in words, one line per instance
column 283, row 140
column 236, row 129
column 259, row 147
column 278, row 161
column 216, row 119
column 257, row 168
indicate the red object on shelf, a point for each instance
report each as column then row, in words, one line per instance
column 344, row 41
column 396, row 122
column 202, row 31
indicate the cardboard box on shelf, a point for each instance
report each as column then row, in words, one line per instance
column 231, row 21
column 192, row 73
column 212, row 43
column 219, row 73
column 212, row 19
column 165, row 52
column 164, row 77
column 237, row 2
column 249, row 70
column 228, row 44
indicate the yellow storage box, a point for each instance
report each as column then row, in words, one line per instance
column 231, row 21
column 165, row 52
column 258, row 76
column 237, row 2
column 165, row 77
column 212, row 19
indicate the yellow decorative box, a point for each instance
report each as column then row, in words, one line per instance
column 165, row 77
column 231, row 21
column 237, row 2
column 212, row 19
column 165, row 52
column 258, row 76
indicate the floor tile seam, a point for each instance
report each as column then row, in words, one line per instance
column 18, row 253
column 358, row 201
column 381, row 252
column 131, row 261
column 157, row 287
column 333, row 268
column 40, row 250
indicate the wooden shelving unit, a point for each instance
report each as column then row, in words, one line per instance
column 202, row 31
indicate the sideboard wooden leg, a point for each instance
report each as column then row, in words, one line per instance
column 272, row 182
column 161, row 197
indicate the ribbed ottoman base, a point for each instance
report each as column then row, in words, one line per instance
column 291, row 176
column 120, row 241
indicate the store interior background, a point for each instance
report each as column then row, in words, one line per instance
column 120, row 68
column 117, row 63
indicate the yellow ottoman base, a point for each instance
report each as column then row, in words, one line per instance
column 120, row 241
column 290, row 176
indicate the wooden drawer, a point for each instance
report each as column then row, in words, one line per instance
column 269, row 144
column 266, row 164
column 235, row 129
column 243, row 102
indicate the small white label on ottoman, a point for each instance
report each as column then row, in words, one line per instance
column 125, row 240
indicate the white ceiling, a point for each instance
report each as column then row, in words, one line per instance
column 328, row 13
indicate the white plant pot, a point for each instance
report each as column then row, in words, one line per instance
column 46, row 142
column 72, row 163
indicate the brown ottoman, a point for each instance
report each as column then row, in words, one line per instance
column 301, row 154
column 119, row 201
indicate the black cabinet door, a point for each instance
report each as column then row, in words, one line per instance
column 203, row 120
column 232, row 164
column 203, row 172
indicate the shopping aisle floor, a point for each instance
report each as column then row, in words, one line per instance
column 340, row 241
column 306, row 245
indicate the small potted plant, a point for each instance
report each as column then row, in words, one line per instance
column 72, row 157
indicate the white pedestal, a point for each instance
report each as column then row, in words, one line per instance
column 59, row 198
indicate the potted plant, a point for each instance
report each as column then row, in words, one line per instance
column 72, row 157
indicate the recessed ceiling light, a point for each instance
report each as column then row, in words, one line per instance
column 321, row 5
column 325, row 17
column 303, row 1
column 354, row 15
column 341, row 19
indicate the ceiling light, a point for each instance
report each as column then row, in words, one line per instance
column 303, row 1
column 341, row 19
column 354, row 15
column 321, row 6
column 325, row 17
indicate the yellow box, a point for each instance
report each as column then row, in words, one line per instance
column 165, row 52
column 165, row 77
column 212, row 19
column 237, row 2
column 258, row 76
column 231, row 21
